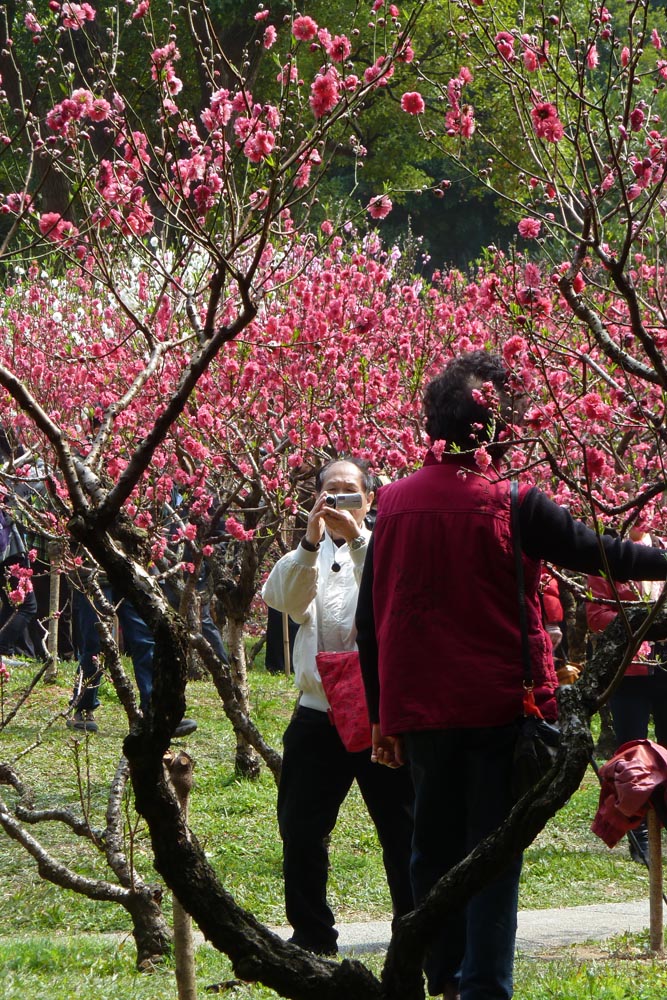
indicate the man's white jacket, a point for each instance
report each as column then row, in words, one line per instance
column 322, row 601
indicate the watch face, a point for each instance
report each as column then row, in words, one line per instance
column 356, row 543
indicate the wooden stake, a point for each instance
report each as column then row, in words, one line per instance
column 655, row 881
column 55, row 555
column 179, row 767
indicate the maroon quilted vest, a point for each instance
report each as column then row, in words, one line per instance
column 446, row 603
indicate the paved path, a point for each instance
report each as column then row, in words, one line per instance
column 539, row 930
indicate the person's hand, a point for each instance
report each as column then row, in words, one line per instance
column 341, row 523
column 315, row 523
column 569, row 673
column 387, row 750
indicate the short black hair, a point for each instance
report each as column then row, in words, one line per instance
column 367, row 477
column 453, row 414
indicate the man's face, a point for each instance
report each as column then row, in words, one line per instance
column 344, row 477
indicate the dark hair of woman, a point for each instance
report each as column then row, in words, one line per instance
column 454, row 415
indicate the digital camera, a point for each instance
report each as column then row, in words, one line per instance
column 344, row 501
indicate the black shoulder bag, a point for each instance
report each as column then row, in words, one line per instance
column 537, row 743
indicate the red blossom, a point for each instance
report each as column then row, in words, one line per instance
column 413, row 103
column 546, row 122
column 380, row 72
column 304, row 28
column 529, row 228
column 379, row 207
column 75, row 15
column 325, row 92
column 339, row 48
column 505, row 45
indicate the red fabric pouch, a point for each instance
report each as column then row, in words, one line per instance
column 344, row 688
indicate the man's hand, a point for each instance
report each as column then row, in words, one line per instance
column 315, row 524
column 341, row 523
column 569, row 673
column 387, row 750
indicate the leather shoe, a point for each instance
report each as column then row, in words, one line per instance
column 185, row 727
column 451, row 992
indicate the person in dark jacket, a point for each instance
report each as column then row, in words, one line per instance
column 440, row 644
column 642, row 693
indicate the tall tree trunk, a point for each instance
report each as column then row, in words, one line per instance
column 247, row 761
column 150, row 930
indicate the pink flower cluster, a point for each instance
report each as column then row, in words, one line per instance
column 380, row 73
column 534, row 53
column 460, row 119
column 325, row 92
column 256, row 131
column 236, row 530
column 162, row 69
column 75, row 15
column 81, row 106
column 338, row 355
column 32, row 24
column 22, row 577
column 55, row 228
column 546, row 122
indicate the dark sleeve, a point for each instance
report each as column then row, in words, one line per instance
column 366, row 638
column 549, row 532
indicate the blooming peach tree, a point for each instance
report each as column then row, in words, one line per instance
column 176, row 224
column 191, row 335
column 581, row 166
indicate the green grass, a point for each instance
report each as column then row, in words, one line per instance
column 49, row 943
column 600, row 978
column 59, row 968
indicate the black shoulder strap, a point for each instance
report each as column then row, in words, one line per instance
column 521, row 587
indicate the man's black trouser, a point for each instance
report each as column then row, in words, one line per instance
column 317, row 774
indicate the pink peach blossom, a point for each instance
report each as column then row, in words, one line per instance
column 413, row 103
column 379, row 206
column 529, row 228
column 304, row 28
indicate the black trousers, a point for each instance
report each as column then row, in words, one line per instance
column 14, row 619
column 317, row 774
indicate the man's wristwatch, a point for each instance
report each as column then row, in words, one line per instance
column 308, row 546
column 356, row 543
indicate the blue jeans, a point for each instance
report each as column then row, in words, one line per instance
column 209, row 629
column 138, row 641
column 462, row 793
column 635, row 701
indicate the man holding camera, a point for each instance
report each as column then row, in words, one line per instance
column 317, row 585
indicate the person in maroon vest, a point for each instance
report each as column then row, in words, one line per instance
column 440, row 644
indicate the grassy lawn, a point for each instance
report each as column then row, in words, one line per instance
column 48, row 942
